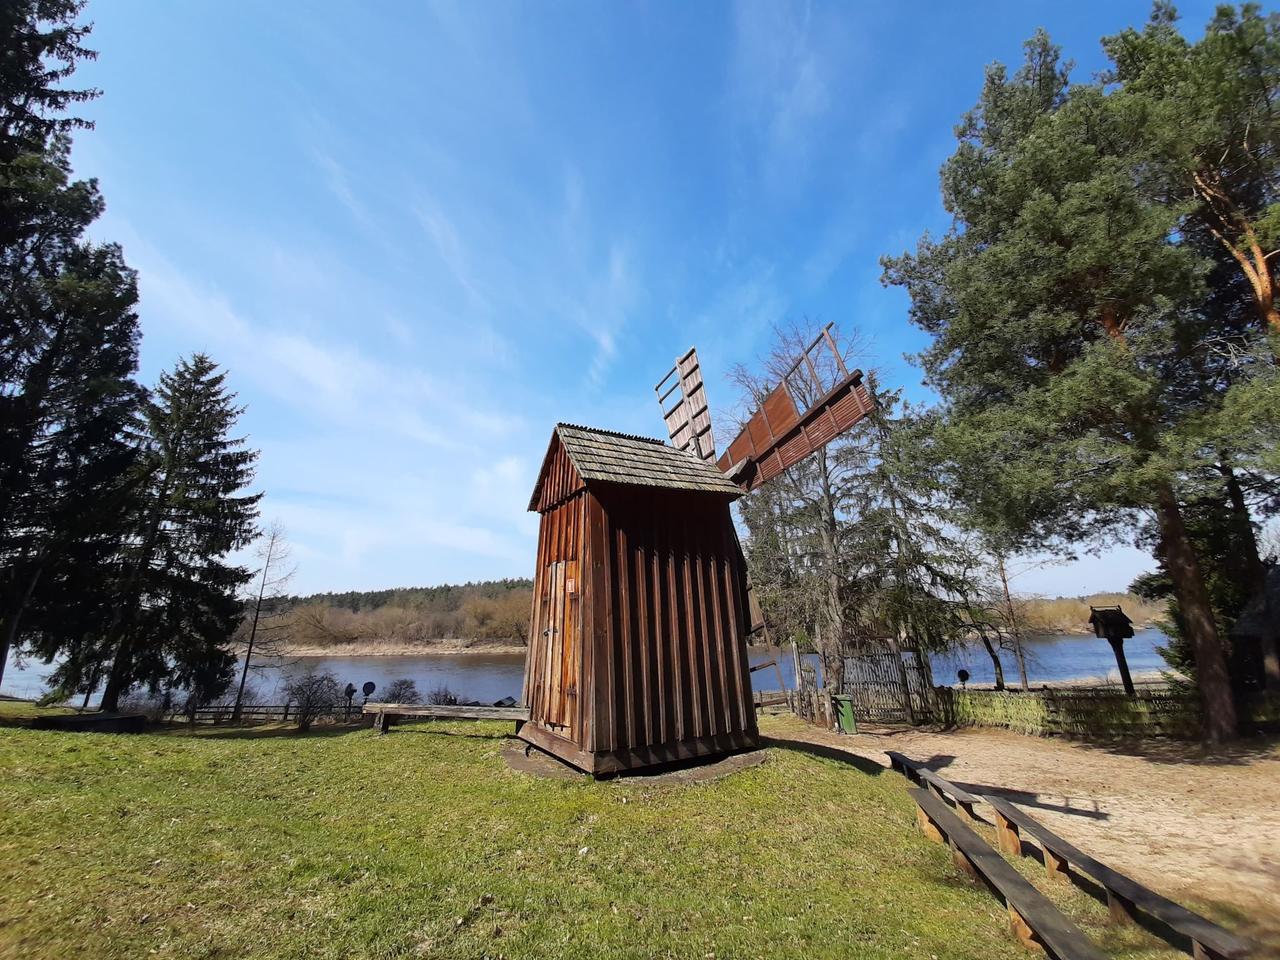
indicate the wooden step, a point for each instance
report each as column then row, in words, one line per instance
column 1035, row 921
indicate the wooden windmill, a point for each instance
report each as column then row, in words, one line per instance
column 637, row 646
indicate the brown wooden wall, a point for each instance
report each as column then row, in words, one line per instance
column 559, row 478
column 553, row 664
column 666, row 624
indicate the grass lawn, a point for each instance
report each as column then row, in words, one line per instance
column 18, row 711
column 342, row 844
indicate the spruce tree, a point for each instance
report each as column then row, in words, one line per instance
column 179, row 592
column 68, row 351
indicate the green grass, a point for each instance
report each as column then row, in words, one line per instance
column 21, row 710
column 423, row 844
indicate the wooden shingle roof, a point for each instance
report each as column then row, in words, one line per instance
column 602, row 455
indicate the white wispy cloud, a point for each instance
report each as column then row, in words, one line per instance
column 372, row 462
column 779, row 82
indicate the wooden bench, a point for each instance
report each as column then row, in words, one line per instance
column 1124, row 894
column 385, row 713
column 1035, row 921
column 919, row 773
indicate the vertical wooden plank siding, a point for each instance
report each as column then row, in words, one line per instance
column 673, row 599
column 559, row 479
column 553, row 665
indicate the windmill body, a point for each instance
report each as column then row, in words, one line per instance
column 641, row 611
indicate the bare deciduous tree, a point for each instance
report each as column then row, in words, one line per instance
column 266, row 630
column 312, row 695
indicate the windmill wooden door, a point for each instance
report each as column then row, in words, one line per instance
column 559, row 632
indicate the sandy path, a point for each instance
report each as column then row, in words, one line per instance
column 1191, row 826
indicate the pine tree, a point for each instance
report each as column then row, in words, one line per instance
column 179, row 594
column 1071, row 336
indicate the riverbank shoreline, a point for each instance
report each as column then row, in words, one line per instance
column 1141, row 678
column 376, row 648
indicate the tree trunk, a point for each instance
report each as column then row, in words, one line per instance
column 117, row 679
column 1224, row 220
column 12, row 620
column 1117, row 647
column 121, row 630
column 926, row 675
column 1255, row 573
column 1197, row 616
column 834, row 608
column 1014, row 632
column 995, row 661
column 253, row 633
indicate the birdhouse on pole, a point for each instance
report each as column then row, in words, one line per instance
column 1111, row 624
column 641, row 606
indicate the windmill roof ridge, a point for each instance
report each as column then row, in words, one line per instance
column 608, row 456
column 614, row 433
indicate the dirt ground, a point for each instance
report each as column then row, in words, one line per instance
column 1191, row 825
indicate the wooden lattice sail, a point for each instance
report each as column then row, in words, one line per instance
column 783, row 432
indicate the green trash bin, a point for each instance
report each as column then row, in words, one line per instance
column 844, row 713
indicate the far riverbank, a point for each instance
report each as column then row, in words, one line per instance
column 452, row 646
column 405, row 648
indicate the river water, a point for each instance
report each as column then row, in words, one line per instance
column 487, row 677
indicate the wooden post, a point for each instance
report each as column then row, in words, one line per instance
column 1007, row 836
column 928, row 827
column 1022, row 930
column 1117, row 647
column 1054, row 865
column 1120, row 908
column 962, row 863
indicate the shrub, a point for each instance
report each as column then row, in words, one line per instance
column 403, row 690
column 442, row 696
column 311, row 695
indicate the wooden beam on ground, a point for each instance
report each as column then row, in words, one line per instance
column 1124, row 894
column 918, row 773
column 451, row 712
column 1036, row 922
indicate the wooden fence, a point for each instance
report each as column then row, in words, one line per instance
column 1095, row 712
column 262, row 713
column 887, row 687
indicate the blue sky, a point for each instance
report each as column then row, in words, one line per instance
column 420, row 234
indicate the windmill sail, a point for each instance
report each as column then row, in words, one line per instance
column 687, row 417
column 782, row 432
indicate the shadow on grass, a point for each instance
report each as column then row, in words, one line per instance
column 430, row 727
column 825, row 752
column 259, row 732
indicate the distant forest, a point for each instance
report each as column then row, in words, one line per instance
column 491, row 610
column 446, row 598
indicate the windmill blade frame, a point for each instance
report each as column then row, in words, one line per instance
column 688, row 419
column 781, row 433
